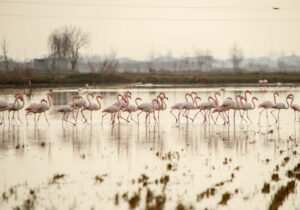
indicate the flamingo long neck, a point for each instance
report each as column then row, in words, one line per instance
column 136, row 103
column 241, row 100
column 153, row 103
column 98, row 101
column 246, row 96
column 88, row 99
column 119, row 102
column 253, row 107
column 49, row 100
column 196, row 104
column 16, row 101
column 236, row 99
column 164, row 104
column 288, row 105
column 216, row 99
column 275, row 98
column 23, row 104
column 186, row 95
column 292, row 100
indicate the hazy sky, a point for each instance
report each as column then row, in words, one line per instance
column 137, row 29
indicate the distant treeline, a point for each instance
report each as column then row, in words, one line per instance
column 27, row 77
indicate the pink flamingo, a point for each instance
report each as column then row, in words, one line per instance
column 92, row 106
column 148, row 108
column 278, row 106
column 67, row 109
column 34, row 108
column 43, row 107
column 207, row 106
column 162, row 105
column 228, row 104
column 266, row 105
column 189, row 106
column 179, row 107
column 295, row 107
column 221, row 112
column 114, row 109
column 248, row 106
column 132, row 108
column 16, row 106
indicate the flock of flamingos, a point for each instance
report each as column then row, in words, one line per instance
column 240, row 105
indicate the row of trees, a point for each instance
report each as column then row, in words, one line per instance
column 64, row 44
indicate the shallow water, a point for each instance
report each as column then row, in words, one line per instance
column 181, row 161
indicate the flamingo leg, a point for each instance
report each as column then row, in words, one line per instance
column 274, row 115
column 196, row 114
column 132, row 118
column 138, row 116
column 154, row 117
column 46, row 118
column 26, row 117
column 173, row 114
column 267, row 116
column 35, row 122
column 260, row 116
column 104, row 116
column 84, row 117
column 179, row 113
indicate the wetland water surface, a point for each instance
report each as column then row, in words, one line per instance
column 157, row 166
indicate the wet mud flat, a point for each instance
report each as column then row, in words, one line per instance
column 157, row 166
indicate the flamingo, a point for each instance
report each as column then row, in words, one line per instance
column 114, row 109
column 228, row 104
column 43, row 107
column 123, row 104
column 189, row 106
column 220, row 110
column 148, row 108
column 34, row 109
column 278, row 106
column 266, row 105
column 15, row 106
column 163, row 105
column 248, row 106
column 210, row 104
column 179, row 107
column 92, row 106
column 3, row 107
column 67, row 109
column 132, row 108
column 295, row 107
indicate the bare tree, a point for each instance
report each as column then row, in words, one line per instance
column 4, row 49
column 204, row 59
column 109, row 65
column 236, row 56
column 65, row 43
column 200, row 59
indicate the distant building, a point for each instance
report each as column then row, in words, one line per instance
column 49, row 64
